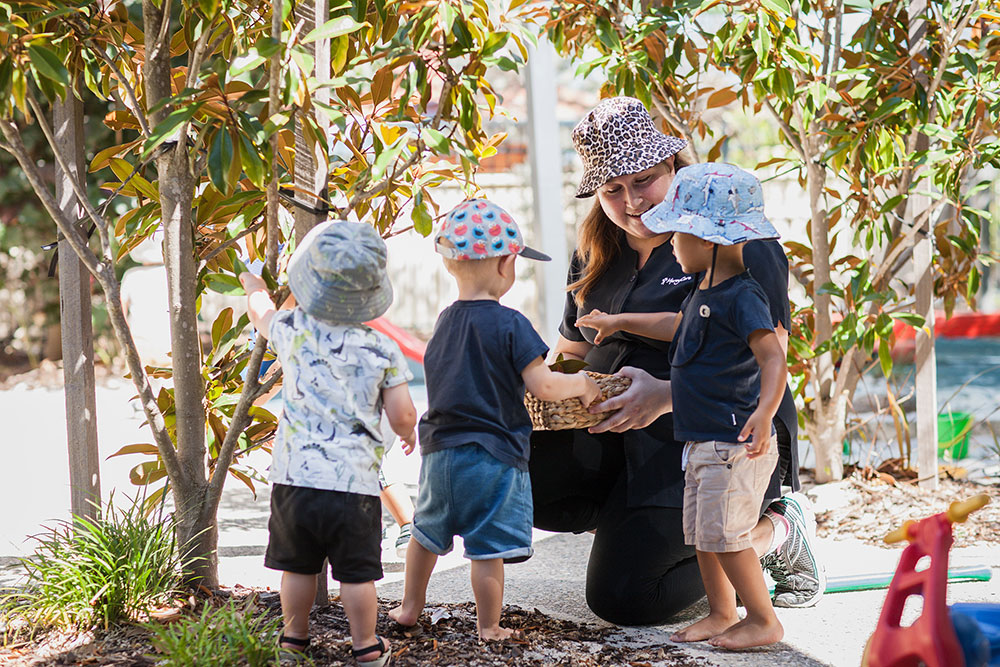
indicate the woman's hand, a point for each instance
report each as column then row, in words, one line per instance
column 603, row 323
column 638, row 406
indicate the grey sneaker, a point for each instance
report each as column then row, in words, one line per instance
column 799, row 578
column 403, row 541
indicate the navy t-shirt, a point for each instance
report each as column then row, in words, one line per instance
column 716, row 379
column 475, row 392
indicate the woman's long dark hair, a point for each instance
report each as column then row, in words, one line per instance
column 598, row 244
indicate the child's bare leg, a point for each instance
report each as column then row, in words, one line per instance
column 396, row 500
column 361, row 608
column 419, row 566
column 297, row 594
column 761, row 626
column 721, row 602
column 487, row 586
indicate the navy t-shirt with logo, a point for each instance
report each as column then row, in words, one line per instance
column 715, row 376
column 475, row 392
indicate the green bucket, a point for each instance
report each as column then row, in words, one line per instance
column 953, row 434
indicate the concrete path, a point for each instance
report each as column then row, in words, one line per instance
column 34, row 490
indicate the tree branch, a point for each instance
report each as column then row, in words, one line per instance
column 81, row 194
column 273, row 85
column 129, row 90
column 232, row 242
column 109, row 284
column 239, row 423
column 162, row 32
column 788, row 131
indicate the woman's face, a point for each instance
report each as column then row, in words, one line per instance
column 625, row 198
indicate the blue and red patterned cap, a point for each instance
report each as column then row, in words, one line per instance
column 478, row 229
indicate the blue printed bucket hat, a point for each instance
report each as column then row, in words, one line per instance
column 337, row 273
column 478, row 229
column 714, row 201
column 618, row 138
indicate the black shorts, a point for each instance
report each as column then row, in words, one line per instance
column 308, row 525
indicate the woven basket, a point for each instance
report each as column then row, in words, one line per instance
column 569, row 413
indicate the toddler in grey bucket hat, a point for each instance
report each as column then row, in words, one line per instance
column 337, row 273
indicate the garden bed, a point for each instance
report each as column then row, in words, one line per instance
column 449, row 638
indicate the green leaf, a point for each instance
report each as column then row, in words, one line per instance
column 884, row 357
column 253, row 165
column 607, row 34
column 223, row 283
column 222, row 324
column 342, row 25
column 973, row 287
column 47, row 63
column 167, row 128
column 423, row 224
column 912, row 319
column 209, row 8
column 436, row 140
column 219, row 159
column 780, row 6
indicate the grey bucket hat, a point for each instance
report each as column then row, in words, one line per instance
column 617, row 138
column 714, row 201
column 337, row 273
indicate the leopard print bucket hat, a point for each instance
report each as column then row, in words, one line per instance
column 617, row 138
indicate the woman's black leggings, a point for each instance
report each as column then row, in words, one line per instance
column 640, row 571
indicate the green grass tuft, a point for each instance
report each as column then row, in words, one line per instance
column 96, row 573
column 234, row 634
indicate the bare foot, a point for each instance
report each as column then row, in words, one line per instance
column 404, row 616
column 706, row 628
column 499, row 633
column 749, row 633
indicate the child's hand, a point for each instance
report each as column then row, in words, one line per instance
column 410, row 442
column 251, row 282
column 758, row 425
column 604, row 324
column 591, row 391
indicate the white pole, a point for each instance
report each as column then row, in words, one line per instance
column 546, row 181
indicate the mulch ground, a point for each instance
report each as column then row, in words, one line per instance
column 876, row 501
column 448, row 638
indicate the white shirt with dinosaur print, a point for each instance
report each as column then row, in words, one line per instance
column 328, row 436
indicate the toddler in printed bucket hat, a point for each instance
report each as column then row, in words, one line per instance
column 727, row 377
column 474, row 438
column 339, row 377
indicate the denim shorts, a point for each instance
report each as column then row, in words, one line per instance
column 465, row 491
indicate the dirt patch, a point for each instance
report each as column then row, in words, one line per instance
column 448, row 638
column 871, row 504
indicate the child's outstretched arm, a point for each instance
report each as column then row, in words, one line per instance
column 658, row 326
column 548, row 385
column 402, row 414
column 260, row 308
column 773, row 371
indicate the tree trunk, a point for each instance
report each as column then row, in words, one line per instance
column 177, row 184
column 827, row 432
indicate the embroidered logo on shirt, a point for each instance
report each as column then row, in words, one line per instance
column 675, row 281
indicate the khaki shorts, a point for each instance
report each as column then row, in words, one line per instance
column 723, row 493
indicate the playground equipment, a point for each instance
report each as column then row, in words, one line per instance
column 966, row 636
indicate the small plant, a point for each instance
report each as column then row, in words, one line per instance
column 89, row 573
column 234, row 634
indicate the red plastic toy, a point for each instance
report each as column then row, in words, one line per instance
column 931, row 639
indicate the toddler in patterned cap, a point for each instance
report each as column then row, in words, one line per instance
column 339, row 375
column 474, row 437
